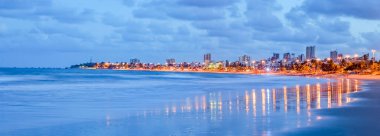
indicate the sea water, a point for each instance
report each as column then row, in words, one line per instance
column 114, row 102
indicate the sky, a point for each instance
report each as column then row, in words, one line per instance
column 59, row 33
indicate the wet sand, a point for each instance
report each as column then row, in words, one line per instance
column 360, row 118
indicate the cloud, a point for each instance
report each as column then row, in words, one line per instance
column 195, row 13
column 260, row 15
column 129, row 2
column 371, row 40
column 149, row 13
column 308, row 28
column 22, row 4
column 67, row 15
column 42, row 9
column 208, row 3
column 113, row 20
column 263, row 21
column 365, row 9
column 232, row 31
column 150, row 28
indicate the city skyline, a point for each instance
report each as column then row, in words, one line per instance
column 58, row 33
column 245, row 59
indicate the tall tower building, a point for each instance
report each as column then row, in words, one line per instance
column 245, row 59
column 275, row 56
column 334, row 55
column 170, row 62
column 301, row 57
column 134, row 61
column 287, row 56
column 310, row 52
column 207, row 58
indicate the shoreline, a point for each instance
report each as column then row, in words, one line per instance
column 334, row 76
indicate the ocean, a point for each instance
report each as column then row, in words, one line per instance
column 75, row 102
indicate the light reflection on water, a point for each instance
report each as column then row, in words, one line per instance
column 257, row 111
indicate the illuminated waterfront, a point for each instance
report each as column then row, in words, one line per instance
column 87, row 102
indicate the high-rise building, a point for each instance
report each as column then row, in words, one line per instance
column 310, row 52
column 245, row 59
column 301, row 58
column 170, row 62
column 334, row 55
column 134, row 61
column 287, row 56
column 207, row 58
column 275, row 56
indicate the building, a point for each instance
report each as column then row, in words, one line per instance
column 245, row 59
column 334, row 55
column 364, row 57
column 287, row 56
column 301, row 57
column 340, row 56
column 207, row 58
column 134, row 61
column 170, row 62
column 310, row 52
column 275, row 56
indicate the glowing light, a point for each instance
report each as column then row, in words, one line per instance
column 267, row 69
column 318, row 96
column 285, row 99
column 263, row 101
column 246, row 102
column 308, row 99
column 254, row 102
column 298, row 98
column 274, row 99
column 204, row 105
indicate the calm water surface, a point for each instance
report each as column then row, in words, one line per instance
column 103, row 102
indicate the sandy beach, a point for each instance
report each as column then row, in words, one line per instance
column 360, row 118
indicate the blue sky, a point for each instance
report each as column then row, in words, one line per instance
column 58, row 33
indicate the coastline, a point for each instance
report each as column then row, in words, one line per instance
column 334, row 76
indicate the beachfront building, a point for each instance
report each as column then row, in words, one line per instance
column 301, row 58
column 207, row 59
column 275, row 57
column 170, row 62
column 245, row 60
column 286, row 57
column 310, row 52
column 134, row 61
column 334, row 55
